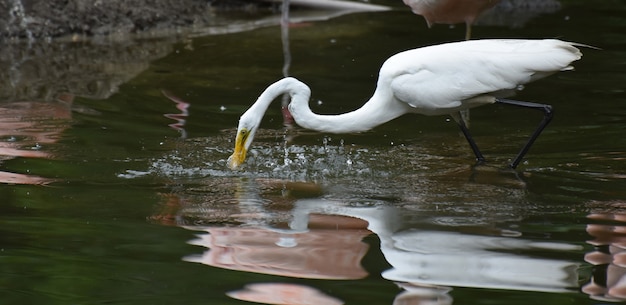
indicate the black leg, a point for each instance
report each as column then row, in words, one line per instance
column 470, row 140
column 547, row 117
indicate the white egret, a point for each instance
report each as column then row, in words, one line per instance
column 435, row 80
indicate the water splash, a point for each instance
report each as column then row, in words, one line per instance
column 297, row 156
column 203, row 158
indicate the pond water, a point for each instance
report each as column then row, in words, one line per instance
column 115, row 187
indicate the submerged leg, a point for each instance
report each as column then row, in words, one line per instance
column 547, row 117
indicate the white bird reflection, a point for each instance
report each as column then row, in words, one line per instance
column 423, row 257
column 320, row 238
column 453, row 259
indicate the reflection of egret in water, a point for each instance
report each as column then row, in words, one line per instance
column 423, row 295
column 451, row 11
column 244, row 233
column 425, row 257
column 464, row 260
column 436, row 80
column 26, row 127
column 608, row 229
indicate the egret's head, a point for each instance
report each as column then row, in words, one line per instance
column 245, row 133
column 251, row 119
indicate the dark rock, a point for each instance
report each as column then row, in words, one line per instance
column 54, row 18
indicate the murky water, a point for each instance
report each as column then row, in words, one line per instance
column 115, row 187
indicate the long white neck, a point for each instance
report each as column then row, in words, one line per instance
column 376, row 111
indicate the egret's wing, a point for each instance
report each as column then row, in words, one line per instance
column 425, row 90
column 441, row 77
column 438, row 91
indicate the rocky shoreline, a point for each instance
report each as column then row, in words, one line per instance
column 32, row 19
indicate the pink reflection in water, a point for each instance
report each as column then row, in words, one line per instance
column 281, row 293
column 25, row 126
column 332, row 248
column 180, row 118
column 608, row 282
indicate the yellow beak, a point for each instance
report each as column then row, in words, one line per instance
column 239, row 155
